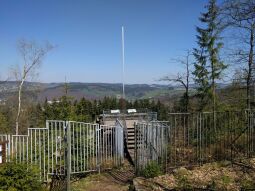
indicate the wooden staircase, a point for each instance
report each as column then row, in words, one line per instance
column 131, row 138
column 130, row 130
column 131, row 142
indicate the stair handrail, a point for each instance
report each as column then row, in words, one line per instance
column 118, row 122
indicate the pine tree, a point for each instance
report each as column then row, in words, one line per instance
column 208, row 66
column 201, row 74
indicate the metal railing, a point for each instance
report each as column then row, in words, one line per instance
column 191, row 139
column 119, row 139
column 93, row 147
column 150, row 143
column 197, row 138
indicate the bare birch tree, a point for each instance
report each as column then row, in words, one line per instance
column 32, row 56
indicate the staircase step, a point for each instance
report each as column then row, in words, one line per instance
column 131, row 151
column 122, row 175
column 132, row 141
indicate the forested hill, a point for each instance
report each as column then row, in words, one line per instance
column 100, row 90
column 91, row 90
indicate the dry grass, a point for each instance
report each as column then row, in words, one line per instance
column 215, row 176
column 98, row 182
column 211, row 176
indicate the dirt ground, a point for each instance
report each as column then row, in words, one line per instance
column 99, row 182
column 211, row 176
column 117, row 179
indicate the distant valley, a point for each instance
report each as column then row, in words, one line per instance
column 91, row 90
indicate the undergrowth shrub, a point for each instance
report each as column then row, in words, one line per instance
column 151, row 170
column 247, row 184
column 182, row 177
column 19, row 177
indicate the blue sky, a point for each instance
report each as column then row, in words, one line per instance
column 88, row 37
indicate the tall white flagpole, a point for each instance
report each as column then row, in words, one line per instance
column 123, row 64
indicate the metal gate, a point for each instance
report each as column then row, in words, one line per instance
column 93, row 147
column 150, row 143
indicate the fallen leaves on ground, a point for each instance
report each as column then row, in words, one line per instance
column 214, row 176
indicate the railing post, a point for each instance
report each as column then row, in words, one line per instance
column 98, row 146
column 135, row 151
column 68, row 156
column 9, row 148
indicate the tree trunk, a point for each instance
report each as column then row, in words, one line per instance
column 213, row 88
column 19, row 106
column 187, row 84
column 250, row 63
column 250, row 67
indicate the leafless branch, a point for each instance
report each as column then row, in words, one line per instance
column 32, row 55
column 182, row 78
